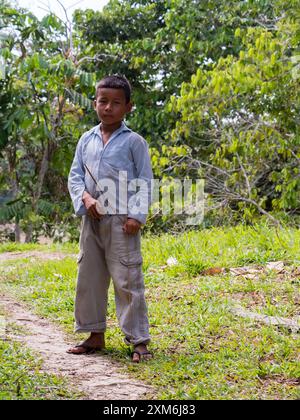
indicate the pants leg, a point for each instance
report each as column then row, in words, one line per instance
column 92, row 281
column 124, row 262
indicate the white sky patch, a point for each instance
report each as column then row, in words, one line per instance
column 37, row 6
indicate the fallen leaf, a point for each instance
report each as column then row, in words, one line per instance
column 275, row 265
column 213, row 271
column 242, row 271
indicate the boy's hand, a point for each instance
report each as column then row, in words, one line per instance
column 90, row 205
column 131, row 226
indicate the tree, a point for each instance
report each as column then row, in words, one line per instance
column 159, row 45
column 239, row 123
column 40, row 123
column 213, row 81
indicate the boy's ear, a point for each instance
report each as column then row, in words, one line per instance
column 129, row 106
column 94, row 103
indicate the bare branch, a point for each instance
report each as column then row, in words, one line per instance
column 261, row 210
column 244, row 173
column 74, row 4
column 64, row 9
column 98, row 57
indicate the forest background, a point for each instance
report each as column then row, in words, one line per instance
column 216, row 94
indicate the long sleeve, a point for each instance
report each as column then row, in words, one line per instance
column 76, row 182
column 139, row 203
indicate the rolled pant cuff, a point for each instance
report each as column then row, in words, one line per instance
column 131, row 341
column 97, row 328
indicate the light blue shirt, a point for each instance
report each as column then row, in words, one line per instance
column 124, row 161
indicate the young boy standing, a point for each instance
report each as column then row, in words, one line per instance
column 110, row 238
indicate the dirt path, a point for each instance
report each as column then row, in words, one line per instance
column 96, row 375
column 5, row 256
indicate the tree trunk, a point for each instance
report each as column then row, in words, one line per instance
column 28, row 237
column 17, row 232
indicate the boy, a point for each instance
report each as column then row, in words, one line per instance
column 109, row 157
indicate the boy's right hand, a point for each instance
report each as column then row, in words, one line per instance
column 90, row 204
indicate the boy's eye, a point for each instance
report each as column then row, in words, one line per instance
column 103, row 101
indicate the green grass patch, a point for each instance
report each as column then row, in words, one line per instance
column 23, row 247
column 202, row 350
column 235, row 246
column 21, row 375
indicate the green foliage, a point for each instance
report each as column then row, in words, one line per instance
column 216, row 94
column 13, row 209
column 40, row 107
column 239, row 120
column 79, row 99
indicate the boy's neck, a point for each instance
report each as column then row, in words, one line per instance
column 110, row 128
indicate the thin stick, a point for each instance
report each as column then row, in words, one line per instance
column 90, row 174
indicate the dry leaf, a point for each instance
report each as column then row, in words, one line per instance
column 275, row 265
column 213, row 271
column 242, row 271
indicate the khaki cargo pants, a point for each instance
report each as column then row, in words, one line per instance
column 106, row 252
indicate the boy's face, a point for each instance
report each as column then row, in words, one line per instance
column 110, row 105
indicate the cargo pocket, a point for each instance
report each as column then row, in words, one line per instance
column 80, row 256
column 132, row 259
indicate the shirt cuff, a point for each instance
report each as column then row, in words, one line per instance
column 79, row 206
column 139, row 217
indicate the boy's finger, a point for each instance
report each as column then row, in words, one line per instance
column 131, row 230
column 127, row 228
column 93, row 213
column 90, row 213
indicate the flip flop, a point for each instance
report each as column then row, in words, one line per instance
column 87, row 349
column 141, row 353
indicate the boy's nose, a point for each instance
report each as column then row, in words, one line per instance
column 108, row 107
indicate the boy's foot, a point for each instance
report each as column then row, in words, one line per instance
column 141, row 353
column 93, row 343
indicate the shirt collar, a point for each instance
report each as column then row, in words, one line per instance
column 122, row 128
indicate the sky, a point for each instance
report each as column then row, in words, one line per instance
column 36, row 6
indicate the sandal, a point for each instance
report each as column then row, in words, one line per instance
column 141, row 354
column 87, row 349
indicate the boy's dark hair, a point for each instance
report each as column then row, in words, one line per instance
column 115, row 82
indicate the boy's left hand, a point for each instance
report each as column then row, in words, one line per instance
column 132, row 226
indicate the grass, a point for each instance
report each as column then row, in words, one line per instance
column 23, row 247
column 21, row 375
column 235, row 246
column 202, row 350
